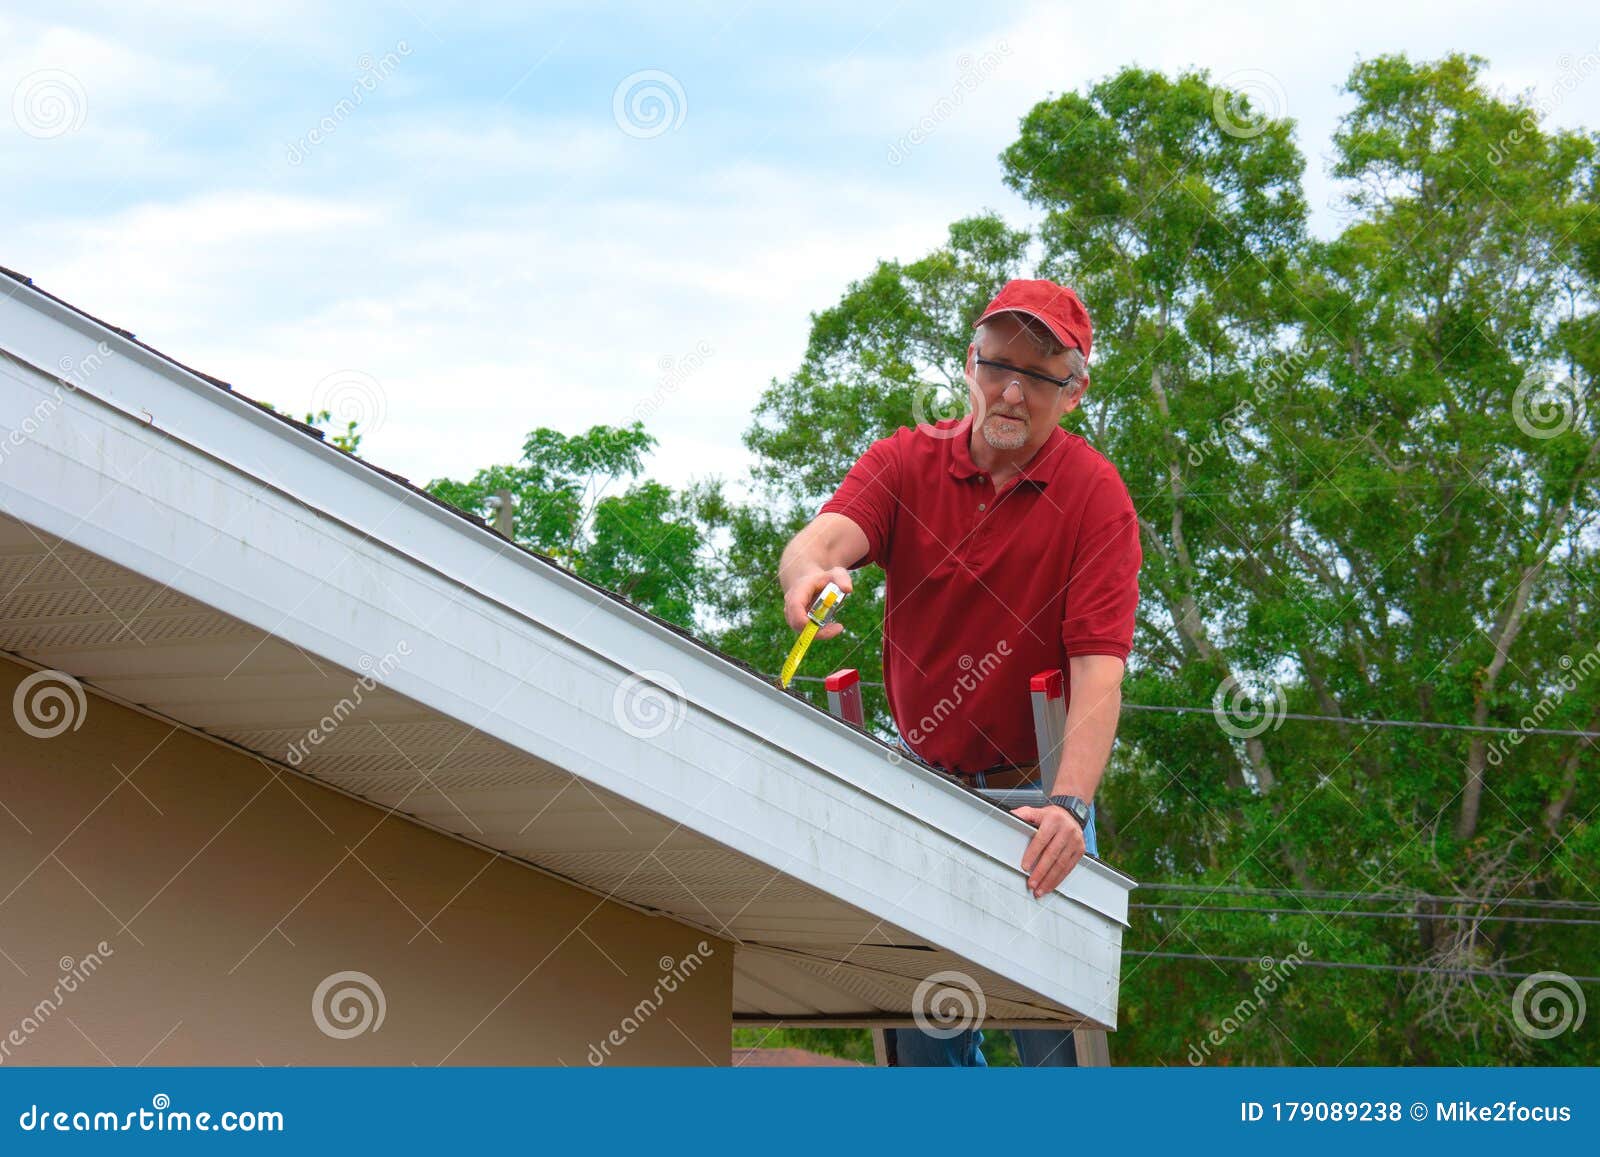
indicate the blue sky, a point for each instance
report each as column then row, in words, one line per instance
column 484, row 243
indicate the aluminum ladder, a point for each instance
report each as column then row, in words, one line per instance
column 1047, row 691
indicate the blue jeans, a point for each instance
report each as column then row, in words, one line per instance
column 1036, row 1047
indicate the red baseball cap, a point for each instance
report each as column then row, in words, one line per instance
column 1055, row 305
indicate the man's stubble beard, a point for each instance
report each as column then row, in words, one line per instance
column 1004, row 435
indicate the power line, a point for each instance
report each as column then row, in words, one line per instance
column 1370, row 488
column 1354, row 965
column 1206, row 908
column 1365, row 722
column 1419, row 897
column 1360, row 721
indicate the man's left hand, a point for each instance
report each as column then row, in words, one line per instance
column 1055, row 848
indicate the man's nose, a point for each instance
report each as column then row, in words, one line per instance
column 1013, row 392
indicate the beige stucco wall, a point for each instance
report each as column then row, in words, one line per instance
column 225, row 892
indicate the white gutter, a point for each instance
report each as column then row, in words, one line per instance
column 170, row 476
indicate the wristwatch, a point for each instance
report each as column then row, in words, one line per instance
column 1076, row 806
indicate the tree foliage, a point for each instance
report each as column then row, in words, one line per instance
column 1366, row 474
column 1367, row 471
column 643, row 543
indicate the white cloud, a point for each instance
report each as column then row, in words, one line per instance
column 116, row 77
column 499, row 266
column 504, row 147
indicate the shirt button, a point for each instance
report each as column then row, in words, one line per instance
column 983, row 506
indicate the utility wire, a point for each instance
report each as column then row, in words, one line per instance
column 1365, row 722
column 1356, row 720
column 1370, row 488
column 1494, row 901
column 1353, row 965
column 1330, row 912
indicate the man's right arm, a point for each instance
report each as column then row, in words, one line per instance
column 818, row 555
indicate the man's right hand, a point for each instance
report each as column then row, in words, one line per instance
column 804, row 590
column 804, row 568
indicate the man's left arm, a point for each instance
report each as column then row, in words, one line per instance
column 1093, row 708
column 1097, row 625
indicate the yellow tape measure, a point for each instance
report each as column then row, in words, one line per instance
column 820, row 615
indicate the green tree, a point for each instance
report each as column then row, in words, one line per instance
column 643, row 543
column 349, row 441
column 1365, row 470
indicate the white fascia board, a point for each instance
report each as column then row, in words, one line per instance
column 166, row 474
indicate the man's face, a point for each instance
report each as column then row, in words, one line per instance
column 1014, row 412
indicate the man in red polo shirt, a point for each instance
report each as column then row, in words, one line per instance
column 1009, row 547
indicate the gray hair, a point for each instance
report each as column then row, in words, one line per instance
column 1047, row 344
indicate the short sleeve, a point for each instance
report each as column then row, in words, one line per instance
column 1103, row 583
column 870, row 496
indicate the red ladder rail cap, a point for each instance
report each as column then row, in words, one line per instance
column 844, row 677
column 1049, row 682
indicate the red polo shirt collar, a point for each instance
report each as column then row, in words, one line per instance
column 1041, row 468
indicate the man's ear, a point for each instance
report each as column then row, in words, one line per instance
column 1075, row 394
